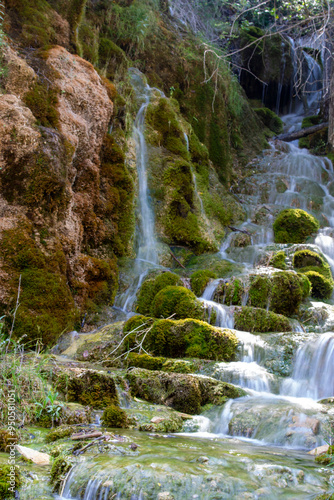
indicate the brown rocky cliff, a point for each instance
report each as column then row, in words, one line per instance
column 50, row 191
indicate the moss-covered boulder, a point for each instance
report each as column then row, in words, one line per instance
column 253, row 319
column 192, row 338
column 177, row 301
column 185, row 393
column 259, row 291
column 151, row 287
column 287, row 293
column 10, row 481
column 200, row 279
column 233, row 290
column 88, row 387
column 145, row 361
column 322, row 287
column 172, row 423
column 278, row 260
column 294, row 225
column 60, row 432
column 316, row 269
column 113, row 416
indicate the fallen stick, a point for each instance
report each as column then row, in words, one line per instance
column 88, row 435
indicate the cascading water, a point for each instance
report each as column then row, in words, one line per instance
column 275, row 412
column 147, row 254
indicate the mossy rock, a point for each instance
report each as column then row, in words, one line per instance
column 178, row 366
column 151, row 287
column 306, row 285
column 191, row 338
column 185, row 393
column 177, row 301
column 60, row 432
column 287, row 293
column 145, row 361
column 322, row 287
column 306, row 258
column 60, row 468
column 326, row 458
column 10, row 481
column 278, row 260
column 92, row 388
column 293, row 225
column 113, row 416
column 172, row 423
column 259, row 291
column 253, row 319
column 233, row 291
column 270, row 119
column 200, row 279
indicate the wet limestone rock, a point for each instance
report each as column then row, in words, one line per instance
column 184, row 393
column 35, row 456
column 20, row 76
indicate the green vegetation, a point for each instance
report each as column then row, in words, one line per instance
column 145, row 361
column 270, row 119
column 252, row 319
column 113, row 416
column 287, row 293
column 278, row 260
column 60, row 432
column 92, row 388
column 293, row 225
column 322, row 287
column 60, row 468
column 200, row 279
column 191, row 338
column 233, row 291
column 326, row 458
column 177, row 301
column 260, row 291
column 5, row 486
column 42, row 100
column 317, row 270
column 151, row 287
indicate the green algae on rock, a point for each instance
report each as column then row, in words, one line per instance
column 59, row 470
column 253, row 319
column 287, row 293
column 278, row 260
column 317, row 270
column 322, row 287
column 293, row 225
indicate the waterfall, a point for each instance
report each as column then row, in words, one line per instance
column 313, row 374
column 147, row 254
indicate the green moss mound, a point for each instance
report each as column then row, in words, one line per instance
column 252, row 319
column 151, row 287
column 60, row 467
column 270, row 119
column 191, row 338
column 92, row 388
column 145, row 361
column 326, row 458
column 200, row 279
column 233, row 291
column 306, row 257
column 113, row 416
column 177, row 301
column 10, row 481
column 259, row 291
column 293, row 225
column 287, row 293
column 278, row 260
column 306, row 285
column 322, row 287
